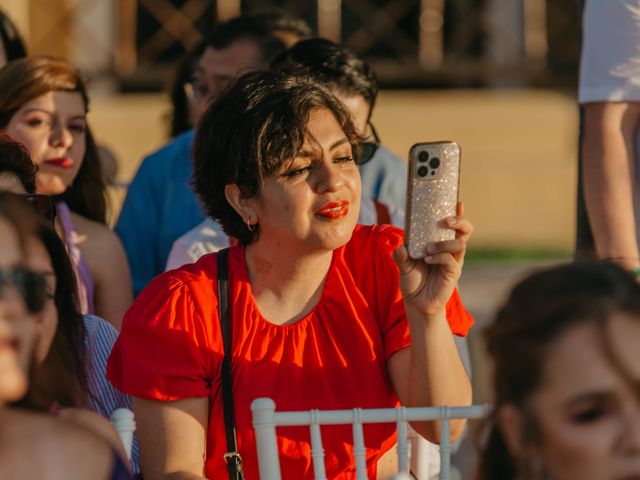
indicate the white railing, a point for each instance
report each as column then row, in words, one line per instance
column 265, row 420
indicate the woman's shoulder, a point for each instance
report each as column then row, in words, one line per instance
column 93, row 323
column 100, row 246
column 369, row 253
column 188, row 284
column 374, row 237
column 100, row 335
column 56, row 448
column 94, row 234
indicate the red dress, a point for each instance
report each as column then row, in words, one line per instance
column 170, row 348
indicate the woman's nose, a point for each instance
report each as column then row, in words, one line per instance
column 61, row 137
column 632, row 429
column 330, row 177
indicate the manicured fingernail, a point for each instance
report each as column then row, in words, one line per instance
column 429, row 258
column 453, row 220
column 431, row 248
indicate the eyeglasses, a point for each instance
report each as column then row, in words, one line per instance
column 367, row 149
column 31, row 285
column 43, row 205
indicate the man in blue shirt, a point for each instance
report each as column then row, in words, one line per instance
column 160, row 204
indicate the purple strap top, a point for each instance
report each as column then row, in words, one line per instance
column 84, row 279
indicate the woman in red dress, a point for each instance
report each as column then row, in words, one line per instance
column 325, row 313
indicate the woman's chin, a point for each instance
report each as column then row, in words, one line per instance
column 13, row 384
column 48, row 184
column 338, row 237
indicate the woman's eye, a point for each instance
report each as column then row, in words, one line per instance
column 588, row 415
column 78, row 128
column 36, row 122
column 344, row 159
column 297, row 171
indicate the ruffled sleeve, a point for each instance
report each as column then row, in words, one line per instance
column 164, row 350
column 391, row 312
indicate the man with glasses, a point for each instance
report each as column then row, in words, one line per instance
column 160, row 204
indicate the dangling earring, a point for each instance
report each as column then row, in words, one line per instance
column 250, row 226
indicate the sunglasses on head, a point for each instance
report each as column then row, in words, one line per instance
column 31, row 285
column 43, row 205
column 368, row 148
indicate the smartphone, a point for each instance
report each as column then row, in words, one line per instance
column 432, row 194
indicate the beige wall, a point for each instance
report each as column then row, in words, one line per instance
column 518, row 157
column 80, row 31
column 18, row 11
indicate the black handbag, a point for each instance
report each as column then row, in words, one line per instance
column 232, row 457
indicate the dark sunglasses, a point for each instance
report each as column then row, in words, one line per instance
column 367, row 149
column 31, row 285
column 43, row 205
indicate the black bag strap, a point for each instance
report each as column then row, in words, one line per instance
column 232, row 457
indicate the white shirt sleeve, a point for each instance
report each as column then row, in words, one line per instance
column 610, row 59
column 205, row 238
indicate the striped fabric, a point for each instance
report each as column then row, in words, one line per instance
column 99, row 340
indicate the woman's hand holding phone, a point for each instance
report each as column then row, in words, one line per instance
column 427, row 283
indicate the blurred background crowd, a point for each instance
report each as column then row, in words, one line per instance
column 497, row 76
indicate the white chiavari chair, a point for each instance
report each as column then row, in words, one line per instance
column 265, row 420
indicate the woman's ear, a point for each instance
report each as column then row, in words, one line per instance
column 510, row 421
column 241, row 204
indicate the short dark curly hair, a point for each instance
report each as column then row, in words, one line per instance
column 15, row 160
column 253, row 130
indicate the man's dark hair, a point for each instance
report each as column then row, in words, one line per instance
column 15, row 160
column 260, row 28
column 250, row 132
column 335, row 66
column 278, row 21
column 245, row 27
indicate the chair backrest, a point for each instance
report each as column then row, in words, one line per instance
column 265, row 420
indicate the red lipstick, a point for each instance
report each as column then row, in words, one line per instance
column 334, row 210
column 62, row 162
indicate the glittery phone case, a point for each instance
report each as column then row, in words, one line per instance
column 432, row 194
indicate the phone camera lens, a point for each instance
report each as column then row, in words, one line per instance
column 434, row 163
column 423, row 171
column 423, row 156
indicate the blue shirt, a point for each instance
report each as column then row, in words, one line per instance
column 99, row 339
column 160, row 206
column 384, row 178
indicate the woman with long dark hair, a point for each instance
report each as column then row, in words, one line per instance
column 68, row 376
column 567, row 377
column 57, row 449
column 43, row 105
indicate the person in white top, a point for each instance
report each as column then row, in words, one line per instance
column 610, row 92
